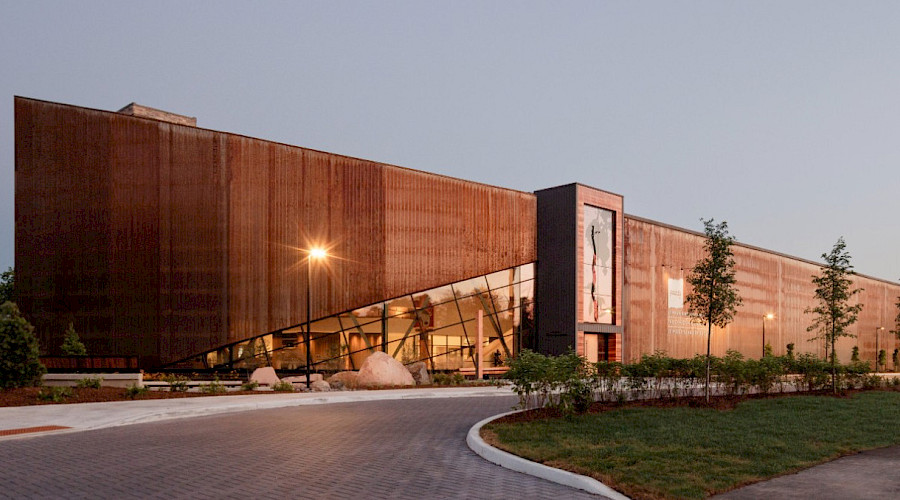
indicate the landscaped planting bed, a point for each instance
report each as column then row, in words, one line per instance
column 684, row 448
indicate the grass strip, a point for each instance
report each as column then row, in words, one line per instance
column 685, row 452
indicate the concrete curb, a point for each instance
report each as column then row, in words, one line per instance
column 519, row 464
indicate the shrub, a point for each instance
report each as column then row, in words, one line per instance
column 571, row 379
column 872, row 381
column 790, row 351
column 529, row 373
column 854, row 374
column 565, row 382
column 249, row 386
column 882, row 358
column 19, row 363
column 55, row 394
column 854, row 356
column 283, row 386
column 813, row 371
column 765, row 373
column 731, row 371
column 441, row 379
column 90, row 383
column 214, row 387
column 177, row 383
column 896, row 358
column 133, row 391
column 72, row 345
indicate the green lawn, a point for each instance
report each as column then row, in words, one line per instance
column 692, row 452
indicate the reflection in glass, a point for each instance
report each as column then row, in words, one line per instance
column 436, row 326
column 470, row 286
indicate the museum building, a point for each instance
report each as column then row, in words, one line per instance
column 195, row 248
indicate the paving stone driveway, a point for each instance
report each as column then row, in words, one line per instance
column 376, row 449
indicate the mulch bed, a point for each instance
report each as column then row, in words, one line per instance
column 722, row 403
column 26, row 396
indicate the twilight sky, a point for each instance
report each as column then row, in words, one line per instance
column 782, row 118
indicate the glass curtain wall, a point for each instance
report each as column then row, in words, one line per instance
column 437, row 326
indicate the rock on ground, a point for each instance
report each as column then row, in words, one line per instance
column 319, row 386
column 380, row 369
column 419, row 372
column 301, row 379
column 264, row 376
column 344, row 379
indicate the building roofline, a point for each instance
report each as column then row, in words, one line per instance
column 234, row 134
column 751, row 247
column 582, row 185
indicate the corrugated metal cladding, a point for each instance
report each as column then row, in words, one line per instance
column 768, row 283
column 164, row 240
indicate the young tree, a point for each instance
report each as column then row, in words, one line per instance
column 896, row 330
column 72, row 345
column 834, row 314
column 19, row 363
column 8, row 286
column 713, row 299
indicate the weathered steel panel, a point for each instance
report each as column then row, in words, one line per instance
column 163, row 240
column 62, row 191
column 768, row 283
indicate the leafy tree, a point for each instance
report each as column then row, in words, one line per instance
column 834, row 314
column 19, row 363
column 72, row 345
column 896, row 330
column 8, row 286
column 714, row 299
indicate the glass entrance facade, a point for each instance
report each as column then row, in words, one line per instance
column 437, row 326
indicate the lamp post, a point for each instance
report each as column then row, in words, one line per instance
column 313, row 253
column 766, row 317
column 877, row 328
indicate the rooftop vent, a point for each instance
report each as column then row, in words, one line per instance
column 135, row 109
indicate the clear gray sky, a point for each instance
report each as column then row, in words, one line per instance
column 780, row 117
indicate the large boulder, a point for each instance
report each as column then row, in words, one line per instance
column 382, row 370
column 341, row 380
column 296, row 379
column 419, row 372
column 319, row 386
column 264, row 376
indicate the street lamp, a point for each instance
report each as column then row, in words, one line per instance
column 766, row 317
column 877, row 328
column 318, row 254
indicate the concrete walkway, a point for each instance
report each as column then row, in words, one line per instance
column 870, row 475
column 91, row 416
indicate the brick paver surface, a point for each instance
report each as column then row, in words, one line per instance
column 378, row 449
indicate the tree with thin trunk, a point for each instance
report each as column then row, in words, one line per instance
column 896, row 330
column 834, row 314
column 714, row 298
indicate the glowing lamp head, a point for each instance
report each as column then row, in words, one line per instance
column 317, row 253
column 770, row 316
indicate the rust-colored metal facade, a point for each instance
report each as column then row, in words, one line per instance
column 768, row 282
column 163, row 240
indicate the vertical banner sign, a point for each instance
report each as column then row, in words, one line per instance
column 676, row 293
